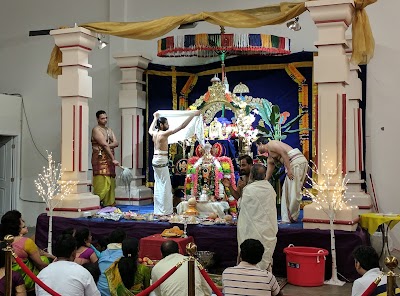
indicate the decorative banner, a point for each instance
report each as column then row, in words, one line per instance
column 210, row 45
column 303, row 106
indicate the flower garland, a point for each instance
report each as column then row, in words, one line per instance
column 222, row 167
column 226, row 161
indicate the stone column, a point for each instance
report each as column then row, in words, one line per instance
column 132, row 102
column 354, row 140
column 75, row 88
column 331, row 73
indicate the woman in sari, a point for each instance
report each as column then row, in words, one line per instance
column 84, row 253
column 25, row 248
column 17, row 282
column 126, row 276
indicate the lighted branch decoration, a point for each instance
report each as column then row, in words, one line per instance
column 52, row 190
column 329, row 195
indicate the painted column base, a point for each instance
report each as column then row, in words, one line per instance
column 140, row 196
column 346, row 219
column 362, row 200
column 77, row 205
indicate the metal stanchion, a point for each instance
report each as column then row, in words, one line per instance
column 391, row 262
column 191, row 249
column 9, row 239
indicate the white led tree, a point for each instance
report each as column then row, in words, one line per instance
column 52, row 190
column 328, row 190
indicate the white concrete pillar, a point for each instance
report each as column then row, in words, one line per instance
column 331, row 73
column 354, row 140
column 75, row 88
column 132, row 102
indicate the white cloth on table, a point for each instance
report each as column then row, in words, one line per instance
column 258, row 218
column 176, row 118
column 291, row 189
column 162, row 186
column 67, row 278
column 361, row 284
column 177, row 283
column 218, row 207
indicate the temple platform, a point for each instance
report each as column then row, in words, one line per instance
column 220, row 239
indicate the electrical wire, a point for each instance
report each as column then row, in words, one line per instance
column 20, row 144
column 27, row 123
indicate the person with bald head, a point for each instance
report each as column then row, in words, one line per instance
column 177, row 283
column 258, row 217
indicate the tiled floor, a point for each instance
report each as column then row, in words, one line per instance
column 325, row 290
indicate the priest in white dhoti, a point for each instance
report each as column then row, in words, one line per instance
column 258, row 217
column 296, row 166
column 182, row 127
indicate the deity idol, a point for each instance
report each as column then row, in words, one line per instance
column 204, row 175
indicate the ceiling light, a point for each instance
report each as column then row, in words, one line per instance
column 294, row 25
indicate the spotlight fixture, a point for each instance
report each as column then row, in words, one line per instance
column 294, row 25
column 102, row 43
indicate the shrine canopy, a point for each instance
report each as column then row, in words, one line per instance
column 210, row 45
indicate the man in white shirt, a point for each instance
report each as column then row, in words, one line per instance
column 64, row 276
column 367, row 265
column 177, row 283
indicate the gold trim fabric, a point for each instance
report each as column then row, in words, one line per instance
column 246, row 18
column 363, row 41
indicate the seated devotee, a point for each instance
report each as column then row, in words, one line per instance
column 246, row 278
column 245, row 164
column 258, row 218
column 366, row 262
column 65, row 276
column 84, row 253
column 296, row 166
column 17, row 282
column 94, row 270
column 24, row 231
column 126, row 276
column 177, row 283
column 108, row 257
column 25, row 248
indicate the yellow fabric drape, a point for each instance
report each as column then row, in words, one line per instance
column 246, row 18
column 363, row 40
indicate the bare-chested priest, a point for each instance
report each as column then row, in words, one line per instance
column 296, row 166
column 159, row 130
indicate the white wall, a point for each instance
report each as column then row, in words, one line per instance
column 383, row 107
column 27, row 57
column 10, row 115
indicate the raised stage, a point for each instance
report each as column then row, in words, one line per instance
column 221, row 239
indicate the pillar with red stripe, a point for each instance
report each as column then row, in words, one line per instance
column 132, row 102
column 75, row 89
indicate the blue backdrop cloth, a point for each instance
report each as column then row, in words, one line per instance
column 275, row 85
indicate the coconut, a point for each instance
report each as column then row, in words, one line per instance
column 192, row 201
column 228, row 218
column 213, row 215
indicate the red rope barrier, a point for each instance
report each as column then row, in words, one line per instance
column 34, row 277
column 372, row 287
column 369, row 290
column 210, row 282
column 148, row 290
